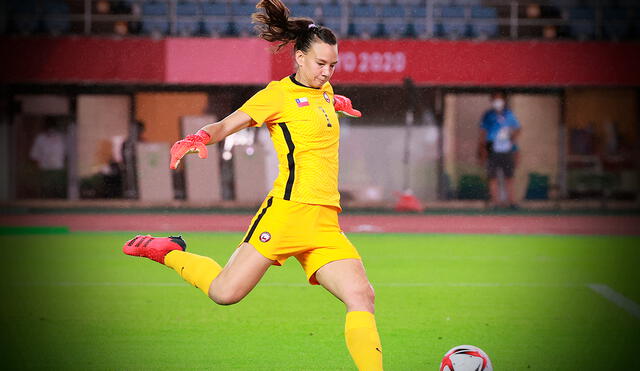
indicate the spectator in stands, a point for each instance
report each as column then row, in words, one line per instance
column 49, row 153
column 498, row 149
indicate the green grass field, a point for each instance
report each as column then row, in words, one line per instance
column 74, row 301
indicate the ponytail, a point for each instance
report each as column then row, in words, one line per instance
column 275, row 25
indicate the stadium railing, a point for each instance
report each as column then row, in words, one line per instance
column 487, row 19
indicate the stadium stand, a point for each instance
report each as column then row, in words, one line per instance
column 215, row 21
column 56, row 17
column 452, row 22
column 331, row 16
column 451, row 19
column 484, row 23
column 188, row 14
column 24, row 16
column 581, row 22
column 154, row 18
column 303, row 10
column 617, row 24
column 241, row 15
column 393, row 19
column 363, row 20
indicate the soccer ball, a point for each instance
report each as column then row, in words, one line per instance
column 466, row 358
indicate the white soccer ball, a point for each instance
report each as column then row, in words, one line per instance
column 466, row 358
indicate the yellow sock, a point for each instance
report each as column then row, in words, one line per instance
column 363, row 341
column 195, row 269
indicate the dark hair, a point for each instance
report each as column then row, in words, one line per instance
column 501, row 93
column 275, row 24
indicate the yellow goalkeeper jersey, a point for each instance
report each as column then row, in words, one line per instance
column 305, row 132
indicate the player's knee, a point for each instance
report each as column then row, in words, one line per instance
column 226, row 297
column 361, row 295
column 370, row 294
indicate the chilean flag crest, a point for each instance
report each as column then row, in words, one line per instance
column 302, row 102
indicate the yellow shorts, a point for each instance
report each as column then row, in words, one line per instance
column 311, row 233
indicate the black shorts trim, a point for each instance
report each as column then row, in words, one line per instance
column 255, row 224
column 290, row 160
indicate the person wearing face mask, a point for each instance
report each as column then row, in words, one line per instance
column 498, row 149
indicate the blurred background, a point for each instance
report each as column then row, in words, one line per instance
column 94, row 92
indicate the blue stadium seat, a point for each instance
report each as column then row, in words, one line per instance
column 363, row 20
column 188, row 22
column 362, row 28
column 394, row 27
column 215, row 20
column 582, row 22
column 410, row 31
column 232, row 29
column 215, row 27
column 483, row 12
column 331, row 16
column 484, row 21
column 303, row 10
column 332, row 10
column 393, row 11
column 379, row 31
column 154, row 17
column 214, row 8
column 452, row 11
column 153, row 26
column 363, row 10
column 616, row 23
column 155, row 8
column 393, row 20
column 241, row 24
column 452, row 23
column 417, row 11
column 56, row 17
column 24, row 16
column 417, row 14
column 187, row 8
column 244, row 27
column 243, row 9
column 334, row 24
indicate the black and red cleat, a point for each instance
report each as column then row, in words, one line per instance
column 154, row 248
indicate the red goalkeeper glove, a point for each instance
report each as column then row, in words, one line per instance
column 342, row 105
column 192, row 143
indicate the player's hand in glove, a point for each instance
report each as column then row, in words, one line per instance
column 342, row 105
column 192, row 143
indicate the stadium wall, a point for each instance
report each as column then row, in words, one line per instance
column 100, row 118
column 366, row 62
column 164, row 110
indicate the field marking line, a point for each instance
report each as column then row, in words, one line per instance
column 305, row 284
column 617, row 298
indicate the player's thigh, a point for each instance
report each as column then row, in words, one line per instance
column 240, row 275
column 347, row 280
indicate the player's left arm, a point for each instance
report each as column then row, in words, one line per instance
column 227, row 126
column 208, row 134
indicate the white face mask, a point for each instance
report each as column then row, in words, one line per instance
column 498, row 104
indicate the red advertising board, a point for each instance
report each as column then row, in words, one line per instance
column 81, row 60
column 367, row 62
column 471, row 63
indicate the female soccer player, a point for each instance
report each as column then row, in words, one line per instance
column 299, row 217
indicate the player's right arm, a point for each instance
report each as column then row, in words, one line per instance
column 211, row 133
